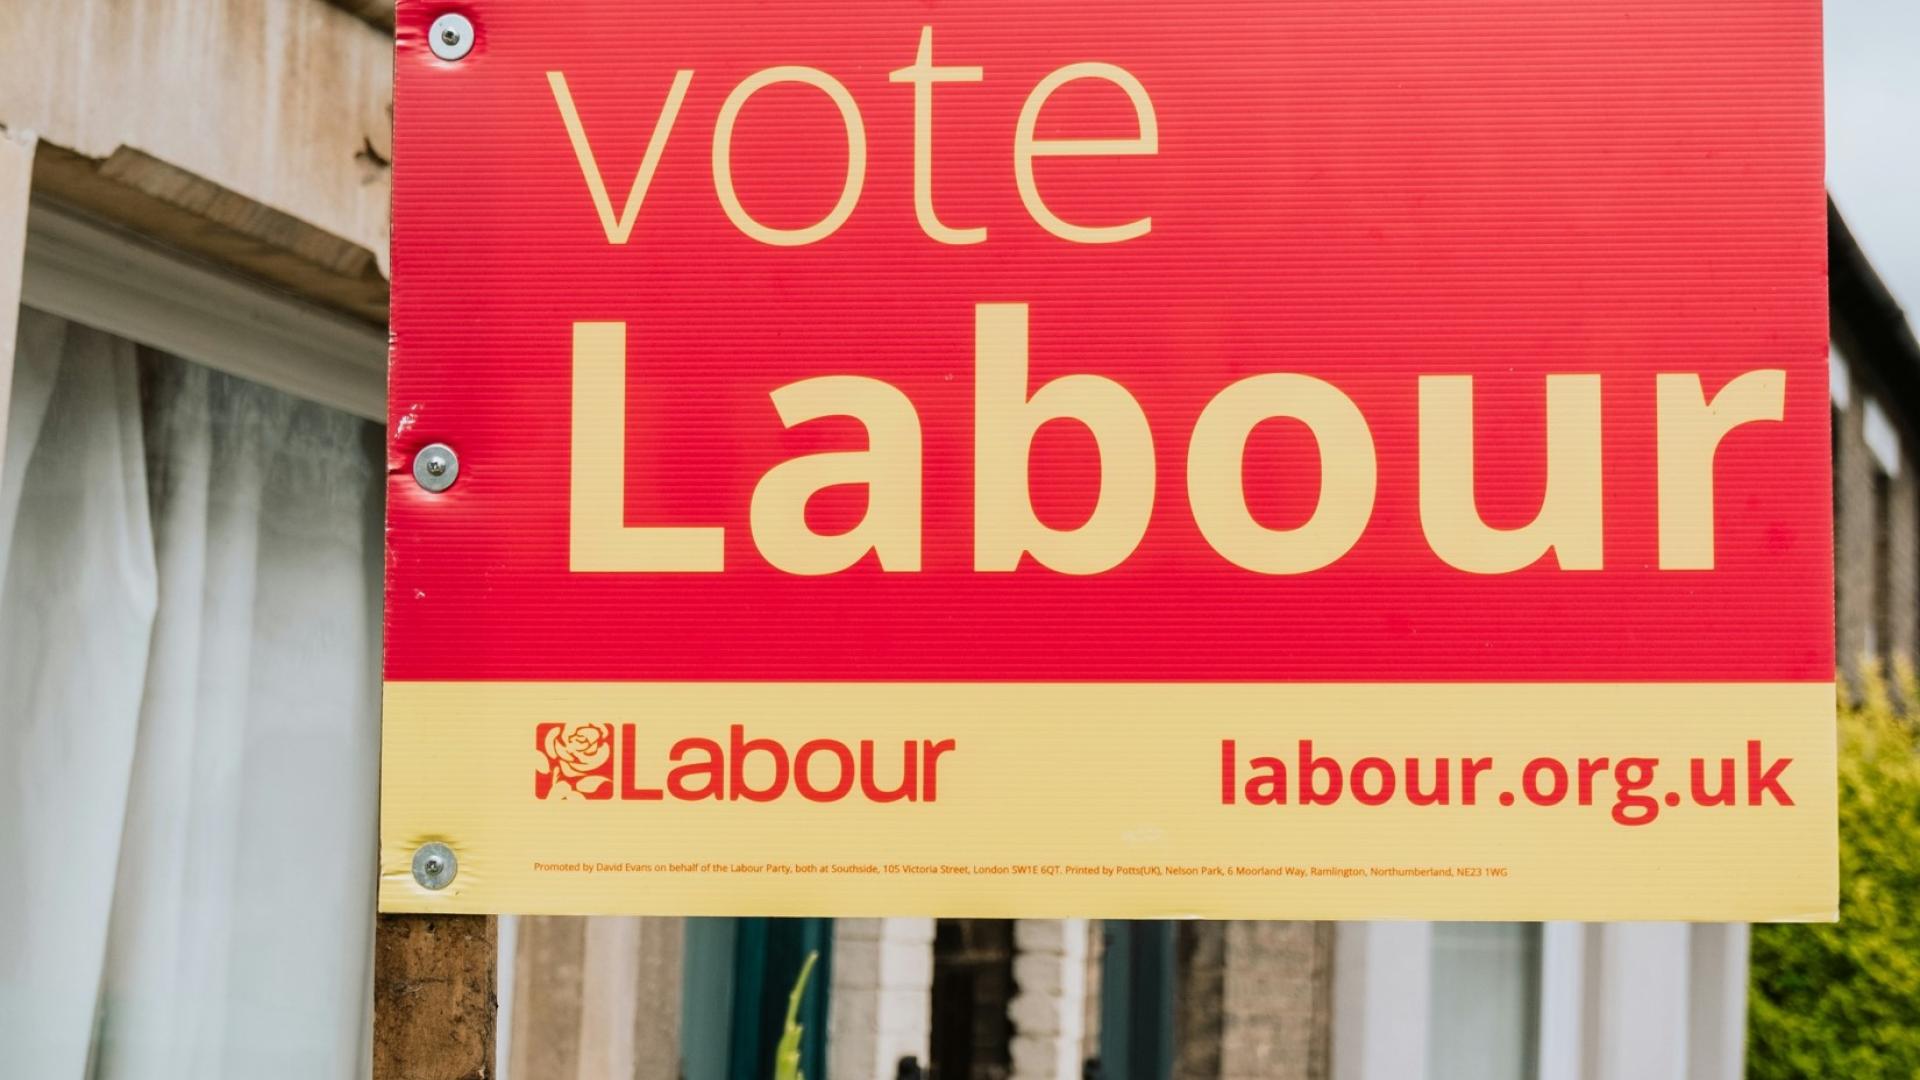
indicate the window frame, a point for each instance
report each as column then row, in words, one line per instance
column 1685, row 1000
column 106, row 277
column 71, row 265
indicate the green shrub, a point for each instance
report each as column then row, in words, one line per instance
column 1843, row 1000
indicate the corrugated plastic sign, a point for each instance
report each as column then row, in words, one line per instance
column 1312, row 459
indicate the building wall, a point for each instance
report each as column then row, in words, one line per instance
column 254, row 133
column 1876, row 527
column 259, row 133
column 287, row 104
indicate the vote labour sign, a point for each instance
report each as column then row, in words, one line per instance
column 1313, row 459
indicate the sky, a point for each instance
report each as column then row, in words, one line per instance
column 1873, row 134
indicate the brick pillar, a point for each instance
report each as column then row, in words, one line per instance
column 1278, row 1013
column 1253, row 1001
column 882, row 996
column 1048, row 1009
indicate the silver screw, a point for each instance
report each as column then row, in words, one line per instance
column 436, row 467
column 434, row 866
column 451, row 36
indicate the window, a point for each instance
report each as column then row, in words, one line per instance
column 189, row 660
column 189, row 585
column 1485, row 1002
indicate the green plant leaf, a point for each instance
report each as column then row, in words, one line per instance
column 786, row 1057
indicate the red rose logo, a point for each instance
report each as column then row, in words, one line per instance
column 576, row 761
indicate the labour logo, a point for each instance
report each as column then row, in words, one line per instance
column 576, row 761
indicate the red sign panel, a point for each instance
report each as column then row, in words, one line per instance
column 1322, row 359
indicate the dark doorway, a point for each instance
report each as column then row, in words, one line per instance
column 972, row 984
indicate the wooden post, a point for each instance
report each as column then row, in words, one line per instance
column 433, row 997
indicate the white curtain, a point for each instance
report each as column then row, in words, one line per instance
column 189, row 639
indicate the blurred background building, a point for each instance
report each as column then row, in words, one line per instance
column 193, row 296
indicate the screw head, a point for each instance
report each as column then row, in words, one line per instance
column 434, row 866
column 436, row 467
column 451, row 36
